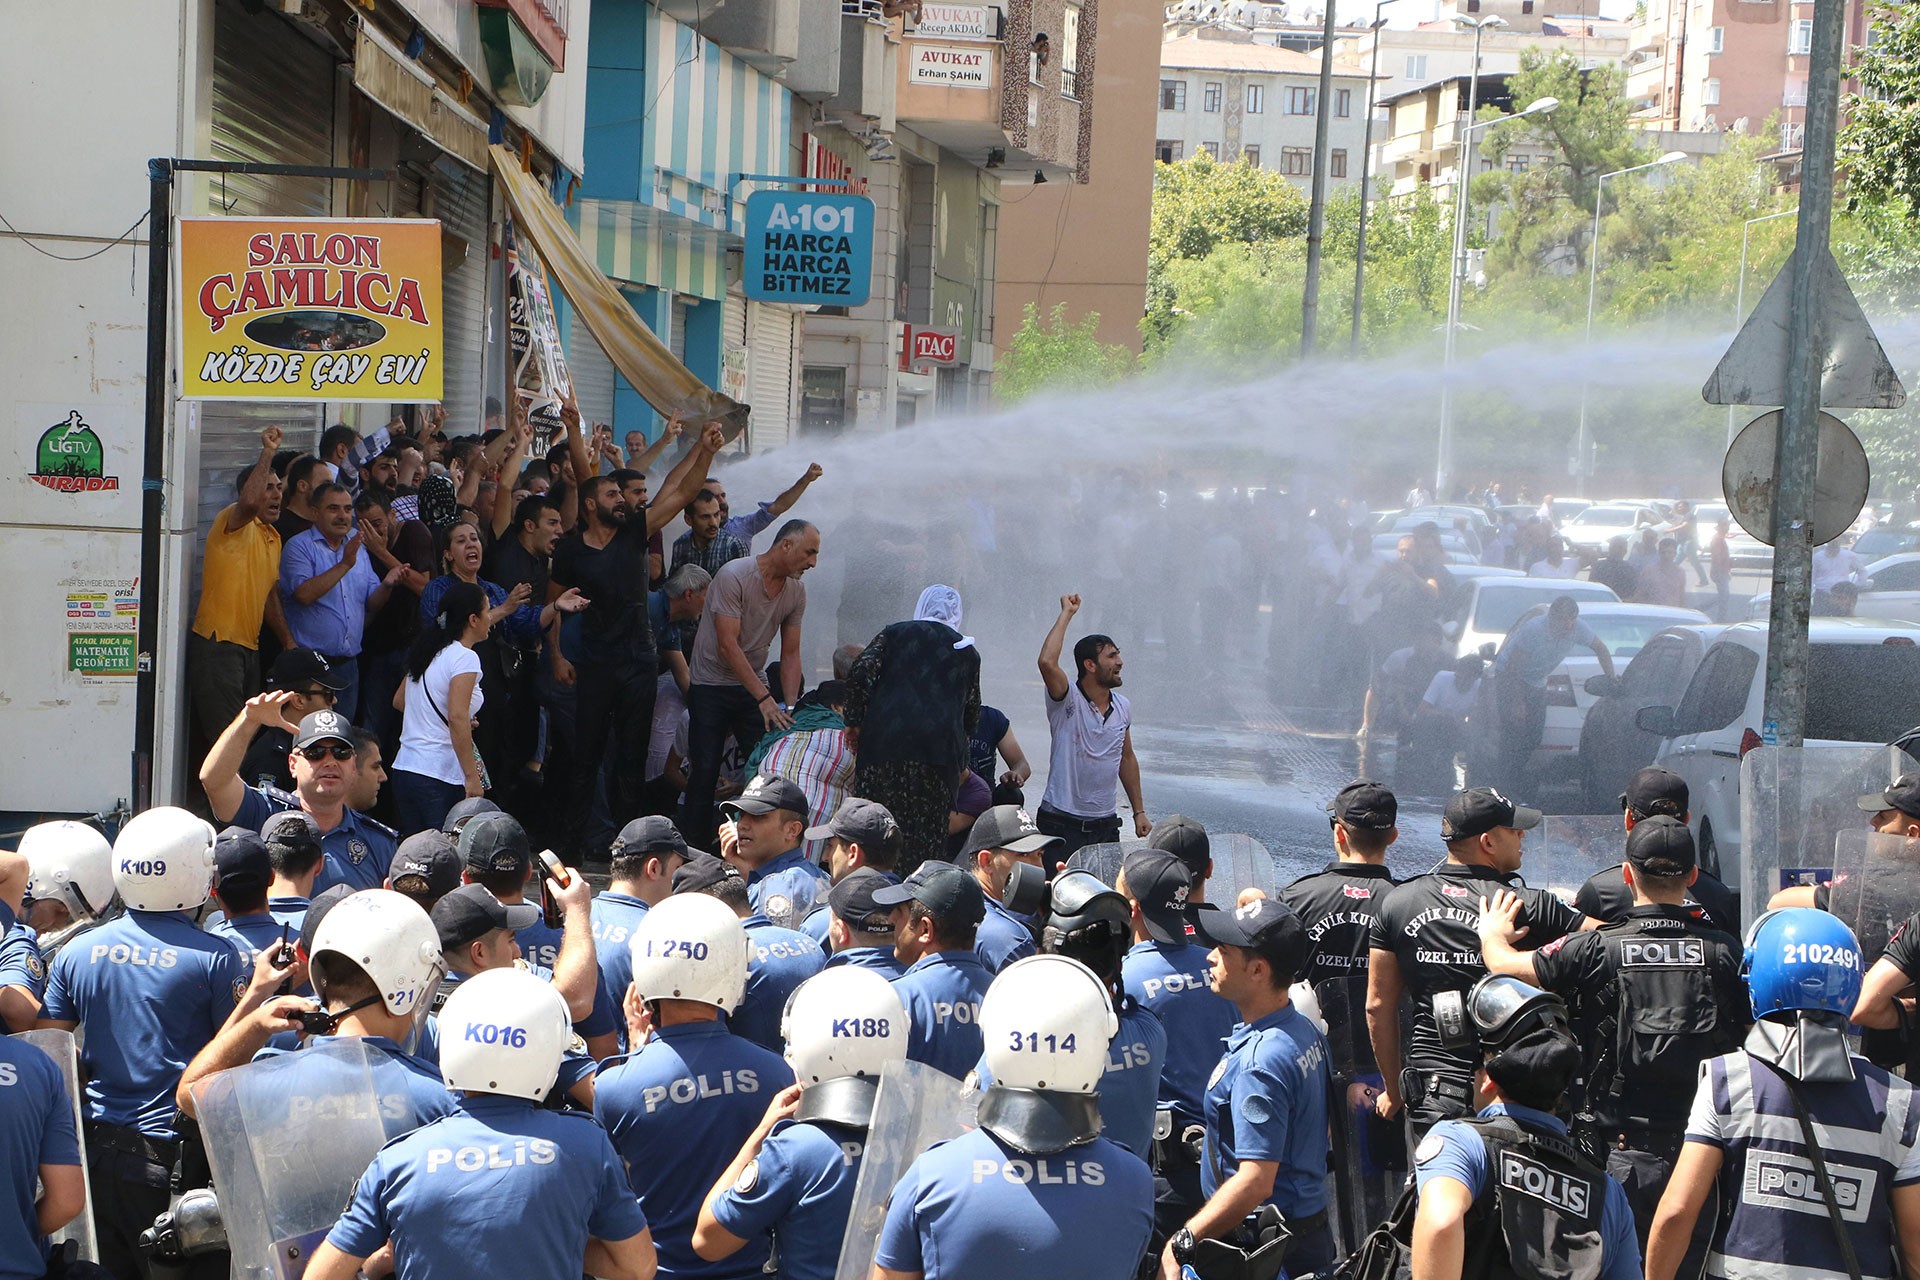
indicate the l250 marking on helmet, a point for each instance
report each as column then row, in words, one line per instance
column 1531, row 1178
column 667, row 948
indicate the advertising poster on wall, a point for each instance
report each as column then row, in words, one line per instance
column 539, row 366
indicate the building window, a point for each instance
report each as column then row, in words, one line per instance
column 1516, row 163
column 1337, row 163
column 1070, row 51
column 1343, row 103
column 1800, row 40
column 1251, row 155
column 1301, row 102
column 1173, row 95
column 1716, row 39
column 1210, row 96
column 1416, row 66
column 1791, row 136
column 1211, row 148
column 1710, row 93
column 1795, row 94
column 1169, row 150
column 1296, row 162
column 1256, row 99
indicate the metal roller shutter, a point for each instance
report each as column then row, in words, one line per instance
column 272, row 103
column 593, row 378
column 677, row 329
column 770, row 371
column 461, row 200
column 734, row 319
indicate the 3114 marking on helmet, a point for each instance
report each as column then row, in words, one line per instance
column 1531, row 1178
column 1035, row 1042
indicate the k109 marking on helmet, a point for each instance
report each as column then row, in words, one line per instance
column 1049, row 1171
column 686, row 1090
column 488, row 1033
column 861, row 1027
column 495, row 1155
column 143, row 866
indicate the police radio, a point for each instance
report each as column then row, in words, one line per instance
column 1450, row 1020
column 550, row 909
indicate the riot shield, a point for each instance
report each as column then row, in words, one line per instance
column 287, row 1138
column 1239, row 862
column 59, row 1045
column 917, row 1107
column 1102, row 861
column 1565, row 851
column 1875, row 887
column 1794, row 803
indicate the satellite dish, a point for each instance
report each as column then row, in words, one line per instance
column 1840, row 478
column 1210, row 14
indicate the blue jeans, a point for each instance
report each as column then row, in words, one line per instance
column 422, row 802
column 347, row 701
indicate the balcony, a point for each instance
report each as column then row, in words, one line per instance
column 762, row 33
column 815, row 74
column 867, row 52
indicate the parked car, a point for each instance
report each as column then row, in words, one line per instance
column 1589, row 532
column 1863, row 683
column 1893, row 591
column 1489, row 607
column 1885, row 540
column 1444, row 516
column 1612, row 746
column 1625, row 629
column 1565, row 509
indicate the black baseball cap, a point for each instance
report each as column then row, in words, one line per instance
column 1265, row 927
column 292, row 828
column 764, row 795
column 323, row 902
column 1654, row 790
column 1365, row 806
column 852, row 900
column 240, row 860
column 469, row 913
column 867, row 823
column 1478, row 810
column 942, row 888
column 1185, row 839
column 430, row 855
column 1160, row 883
column 1661, row 846
column 1009, row 827
column 651, row 834
column 297, row 668
column 323, row 726
column 495, row 844
column 465, row 811
column 1903, row 794
column 701, row 872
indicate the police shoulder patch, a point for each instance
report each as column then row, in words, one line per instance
column 1219, row 1070
column 1430, row 1146
column 749, row 1176
column 36, row 967
column 357, row 850
column 239, row 990
column 779, row 907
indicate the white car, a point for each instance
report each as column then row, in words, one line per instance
column 1589, row 532
column 1893, row 591
column 1487, row 607
column 1863, row 683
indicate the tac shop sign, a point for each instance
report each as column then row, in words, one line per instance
column 805, row 247
column 310, row 309
column 930, row 346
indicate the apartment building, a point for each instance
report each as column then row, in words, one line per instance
column 1235, row 99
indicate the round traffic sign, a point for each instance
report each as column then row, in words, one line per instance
column 1840, row 478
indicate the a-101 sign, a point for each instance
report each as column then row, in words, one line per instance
column 807, row 248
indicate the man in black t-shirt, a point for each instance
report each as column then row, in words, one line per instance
column 1657, row 792
column 525, row 555
column 614, row 681
column 1426, row 944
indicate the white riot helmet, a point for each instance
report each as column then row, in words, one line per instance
column 691, row 947
column 392, row 940
column 163, row 861
column 70, row 863
column 503, row 1031
column 1047, row 1021
column 842, row 1026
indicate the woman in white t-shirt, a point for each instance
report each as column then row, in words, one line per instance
column 437, row 765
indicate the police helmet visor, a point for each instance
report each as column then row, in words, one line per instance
column 1503, row 1008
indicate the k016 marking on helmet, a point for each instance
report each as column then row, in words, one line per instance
column 861, row 1027
column 489, row 1033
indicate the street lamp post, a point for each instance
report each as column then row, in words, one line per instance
column 1366, row 175
column 1740, row 290
column 1583, row 441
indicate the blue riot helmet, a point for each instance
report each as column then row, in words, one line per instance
column 1800, row 959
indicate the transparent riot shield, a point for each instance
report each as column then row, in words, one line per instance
column 1794, row 803
column 60, row 1046
column 1875, row 887
column 1561, row 855
column 287, row 1138
column 1102, row 861
column 917, row 1107
column 1240, row 862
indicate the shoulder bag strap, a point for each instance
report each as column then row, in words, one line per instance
column 1818, row 1157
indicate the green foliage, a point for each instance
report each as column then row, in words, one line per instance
column 1879, row 144
column 1199, row 206
column 1058, row 355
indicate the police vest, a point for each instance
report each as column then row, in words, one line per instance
column 1539, row 1216
column 1667, row 1021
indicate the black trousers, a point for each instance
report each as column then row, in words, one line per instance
column 715, row 712
column 131, row 1178
column 613, row 718
column 1075, row 833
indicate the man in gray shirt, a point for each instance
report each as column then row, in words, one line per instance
column 1531, row 653
column 750, row 601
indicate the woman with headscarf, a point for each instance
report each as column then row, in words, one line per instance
column 913, row 697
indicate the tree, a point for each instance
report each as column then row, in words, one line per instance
column 1058, row 355
column 1880, row 141
column 1200, row 205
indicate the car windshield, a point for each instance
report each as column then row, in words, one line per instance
column 1500, row 606
column 1626, row 634
column 1607, row 515
column 1884, row 542
column 1862, row 692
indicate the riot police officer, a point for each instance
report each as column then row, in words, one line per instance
column 1653, row 996
column 23, row 973
column 684, row 1100
column 861, row 835
column 42, row 1186
column 69, row 883
column 501, row 1186
column 860, row 930
column 935, row 913
column 1655, row 792
column 1034, row 1193
column 1266, row 1103
column 1425, row 943
column 795, row 1175
column 778, row 960
column 644, row 856
column 151, row 989
column 1001, row 837
column 768, row 822
column 1758, row 1119
column 1506, row 1195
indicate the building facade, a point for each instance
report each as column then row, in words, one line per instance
column 1238, row 100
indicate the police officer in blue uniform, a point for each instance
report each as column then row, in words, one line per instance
column 1035, row 1192
column 861, row 835
column 1505, row 1194
column 502, row 1186
column 242, row 873
column 297, row 858
column 935, row 913
column 69, row 885
column 860, row 930
column 426, row 868
column 359, row 850
column 1168, row 975
column 1002, row 836
column 682, row 1103
column 1747, row 1135
column 794, row 1178
column 42, row 1186
column 1266, row 1104
column 150, row 989
column 644, row 856
column 23, row 970
column 763, row 839
column 778, row 960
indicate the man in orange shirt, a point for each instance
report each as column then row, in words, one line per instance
column 238, row 589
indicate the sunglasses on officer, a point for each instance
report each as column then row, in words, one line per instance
column 338, row 750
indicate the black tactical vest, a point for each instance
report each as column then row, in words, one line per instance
column 1539, row 1216
column 1667, row 1021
